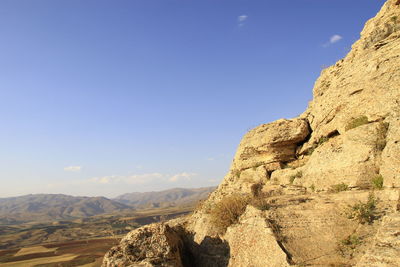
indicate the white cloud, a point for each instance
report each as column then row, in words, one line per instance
column 333, row 39
column 181, row 176
column 242, row 18
column 73, row 169
column 129, row 179
column 139, row 179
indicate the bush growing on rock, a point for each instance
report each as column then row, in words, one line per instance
column 348, row 245
column 377, row 182
column 227, row 211
column 336, row 188
column 364, row 212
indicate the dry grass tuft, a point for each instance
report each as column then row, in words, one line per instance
column 227, row 211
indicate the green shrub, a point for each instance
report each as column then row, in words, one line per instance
column 236, row 174
column 312, row 187
column 322, row 140
column 377, row 182
column 311, row 150
column 348, row 245
column 364, row 212
column 354, row 123
column 336, row 188
column 227, row 211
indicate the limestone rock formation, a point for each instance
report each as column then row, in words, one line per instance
column 153, row 245
column 321, row 190
column 270, row 144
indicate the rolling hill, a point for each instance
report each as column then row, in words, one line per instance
column 45, row 207
column 167, row 198
column 54, row 207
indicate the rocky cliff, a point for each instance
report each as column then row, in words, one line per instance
column 318, row 190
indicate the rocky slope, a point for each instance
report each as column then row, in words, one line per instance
column 318, row 190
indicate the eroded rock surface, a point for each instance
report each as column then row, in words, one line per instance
column 270, row 143
column 254, row 232
column 153, row 245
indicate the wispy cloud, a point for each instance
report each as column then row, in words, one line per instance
column 182, row 176
column 241, row 20
column 73, row 169
column 128, row 179
column 139, row 179
column 333, row 39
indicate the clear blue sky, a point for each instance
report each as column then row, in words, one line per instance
column 108, row 97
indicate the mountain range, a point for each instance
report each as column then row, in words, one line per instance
column 50, row 207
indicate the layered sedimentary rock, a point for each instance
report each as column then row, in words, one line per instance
column 325, row 186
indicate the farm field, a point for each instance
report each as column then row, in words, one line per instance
column 80, row 242
column 88, row 253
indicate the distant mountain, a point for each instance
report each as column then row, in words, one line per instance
column 167, row 198
column 45, row 207
column 54, row 207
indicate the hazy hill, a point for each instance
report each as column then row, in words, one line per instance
column 49, row 207
column 166, row 198
column 42, row 207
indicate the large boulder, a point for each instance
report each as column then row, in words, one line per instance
column 270, row 144
column 253, row 243
column 154, row 245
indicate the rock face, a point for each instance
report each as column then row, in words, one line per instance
column 254, row 232
column 322, row 189
column 154, row 245
column 270, row 144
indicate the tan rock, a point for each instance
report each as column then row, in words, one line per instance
column 385, row 250
column 287, row 176
column 270, row 143
column 252, row 242
column 390, row 167
column 153, row 245
column 351, row 158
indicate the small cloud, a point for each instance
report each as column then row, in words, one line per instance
column 334, row 39
column 73, row 169
column 210, row 159
column 181, row 176
column 241, row 19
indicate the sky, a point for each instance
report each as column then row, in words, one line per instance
column 105, row 97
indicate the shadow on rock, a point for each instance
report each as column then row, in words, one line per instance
column 211, row 252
